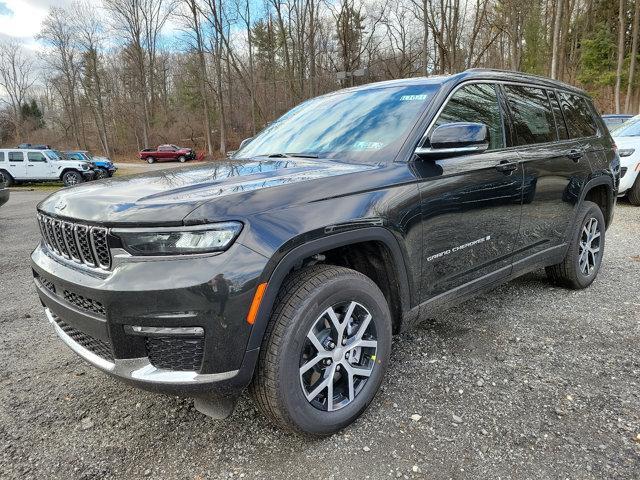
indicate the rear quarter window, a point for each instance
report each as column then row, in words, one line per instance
column 532, row 117
column 577, row 114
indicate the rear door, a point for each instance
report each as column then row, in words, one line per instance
column 470, row 203
column 17, row 167
column 38, row 166
column 556, row 166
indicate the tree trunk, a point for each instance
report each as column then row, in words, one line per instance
column 621, row 14
column 634, row 53
column 556, row 38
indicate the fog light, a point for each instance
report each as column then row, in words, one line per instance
column 164, row 331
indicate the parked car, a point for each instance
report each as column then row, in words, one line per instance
column 167, row 152
column 612, row 120
column 627, row 138
column 4, row 191
column 102, row 166
column 354, row 216
column 34, row 165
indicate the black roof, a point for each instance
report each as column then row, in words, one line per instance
column 479, row 74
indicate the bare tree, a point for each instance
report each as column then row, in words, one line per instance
column 634, row 55
column 16, row 79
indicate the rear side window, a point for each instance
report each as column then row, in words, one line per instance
column 580, row 121
column 477, row 103
column 16, row 157
column 36, row 157
column 561, row 126
column 532, row 116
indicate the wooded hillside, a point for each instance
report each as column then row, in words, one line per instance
column 112, row 80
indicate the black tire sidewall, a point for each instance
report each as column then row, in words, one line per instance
column 592, row 211
column 150, row 160
column 101, row 173
column 6, row 180
column 182, row 159
column 308, row 418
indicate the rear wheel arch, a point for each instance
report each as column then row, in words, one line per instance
column 396, row 289
column 599, row 190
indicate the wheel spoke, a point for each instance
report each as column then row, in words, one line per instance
column 330, row 393
column 312, row 363
column 365, row 344
column 363, row 327
column 358, row 371
column 321, row 386
column 334, row 320
column 350, row 381
column 315, row 342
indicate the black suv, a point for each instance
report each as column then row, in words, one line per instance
column 355, row 215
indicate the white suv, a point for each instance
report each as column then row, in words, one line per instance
column 32, row 165
column 627, row 138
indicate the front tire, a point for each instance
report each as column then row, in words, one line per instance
column 6, row 178
column 71, row 178
column 101, row 173
column 583, row 259
column 182, row 159
column 325, row 350
column 633, row 194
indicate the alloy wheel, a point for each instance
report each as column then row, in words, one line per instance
column 71, row 179
column 589, row 250
column 338, row 356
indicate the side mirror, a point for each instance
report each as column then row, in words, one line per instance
column 244, row 143
column 453, row 139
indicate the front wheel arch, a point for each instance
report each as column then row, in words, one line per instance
column 277, row 270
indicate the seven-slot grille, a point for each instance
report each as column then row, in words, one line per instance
column 80, row 243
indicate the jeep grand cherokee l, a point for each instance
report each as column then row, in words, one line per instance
column 355, row 215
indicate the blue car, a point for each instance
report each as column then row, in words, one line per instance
column 103, row 167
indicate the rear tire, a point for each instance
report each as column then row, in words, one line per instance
column 633, row 194
column 6, row 178
column 150, row 160
column 71, row 178
column 302, row 342
column 583, row 259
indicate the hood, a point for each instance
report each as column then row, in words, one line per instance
column 166, row 197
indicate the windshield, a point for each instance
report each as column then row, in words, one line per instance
column 55, row 155
column 630, row 128
column 360, row 125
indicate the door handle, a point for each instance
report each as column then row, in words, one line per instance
column 575, row 155
column 506, row 167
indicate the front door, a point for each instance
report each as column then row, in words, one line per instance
column 471, row 204
column 38, row 167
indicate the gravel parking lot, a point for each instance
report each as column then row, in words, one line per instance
column 527, row 381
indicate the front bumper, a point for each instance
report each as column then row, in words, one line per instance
column 90, row 311
column 88, row 174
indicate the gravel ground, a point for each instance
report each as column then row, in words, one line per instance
column 526, row 381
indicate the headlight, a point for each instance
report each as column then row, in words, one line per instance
column 178, row 240
column 626, row 152
column 85, row 167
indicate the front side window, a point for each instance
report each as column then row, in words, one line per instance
column 364, row 125
column 36, row 157
column 531, row 115
column 580, row 121
column 476, row 103
column 3, row 156
column 16, row 157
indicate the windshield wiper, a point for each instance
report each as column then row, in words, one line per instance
column 289, row 155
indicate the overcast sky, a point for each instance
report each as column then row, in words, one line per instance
column 22, row 19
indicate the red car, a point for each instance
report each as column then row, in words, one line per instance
column 167, row 152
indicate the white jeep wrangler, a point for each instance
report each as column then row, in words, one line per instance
column 33, row 165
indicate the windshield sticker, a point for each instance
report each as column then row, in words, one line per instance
column 368, row 145
column 413, row 98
